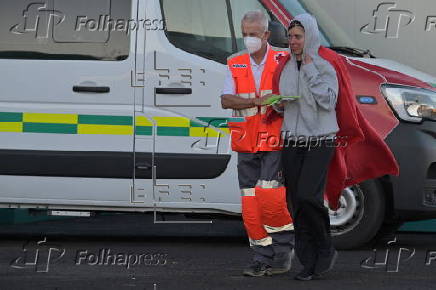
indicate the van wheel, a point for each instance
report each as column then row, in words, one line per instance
column 360, row 215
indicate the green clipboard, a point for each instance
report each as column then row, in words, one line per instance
column 274, row 99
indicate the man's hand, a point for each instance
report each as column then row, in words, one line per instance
column 236, row 102
column 260, row 101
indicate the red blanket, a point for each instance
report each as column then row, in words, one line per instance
column 366, row 155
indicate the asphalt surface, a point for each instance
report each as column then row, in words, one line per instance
column 131, row 253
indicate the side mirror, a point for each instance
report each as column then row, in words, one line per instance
column 279, row 35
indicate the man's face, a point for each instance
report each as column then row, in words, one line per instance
column 255, row 29
column 296, row 40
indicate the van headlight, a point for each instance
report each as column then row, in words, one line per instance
column 411, row 103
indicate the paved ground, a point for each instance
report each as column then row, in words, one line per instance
column 207, row 257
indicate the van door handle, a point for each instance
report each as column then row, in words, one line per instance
column 174, row 91
column 87, row 89
column 143, row 166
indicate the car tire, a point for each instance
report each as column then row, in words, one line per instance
column 360, row 215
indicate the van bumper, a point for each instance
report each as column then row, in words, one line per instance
column 414, row 190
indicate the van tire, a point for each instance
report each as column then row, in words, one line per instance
column 367, row 216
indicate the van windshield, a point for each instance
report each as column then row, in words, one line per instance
column 332, row 35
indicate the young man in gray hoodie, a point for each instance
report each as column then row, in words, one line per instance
column 309, row 129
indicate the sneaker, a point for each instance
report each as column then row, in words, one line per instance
column 325, row 264
column 304, row 275
column 257, row 269
column 282, row 263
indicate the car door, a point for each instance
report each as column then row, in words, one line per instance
column 67, row 101
column 181, row 112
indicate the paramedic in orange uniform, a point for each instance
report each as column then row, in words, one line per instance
column 264, row 211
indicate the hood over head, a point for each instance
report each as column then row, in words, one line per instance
column 311, row 33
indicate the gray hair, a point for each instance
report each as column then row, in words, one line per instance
column 256, row 16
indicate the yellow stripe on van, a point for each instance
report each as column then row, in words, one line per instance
column 204, row 132
column 143, row 121
column 16, row 127
column 50, row 118
column 172, row 121
column 105, row 129
column 48, row 123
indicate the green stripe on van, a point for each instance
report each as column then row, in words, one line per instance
column 173, row 131
column 11, row 117
column 218, row 122
column 105, row 120
column 420, row 226
column 49, row 128
column 236, row 119
column 144, row 130
column 56, row 123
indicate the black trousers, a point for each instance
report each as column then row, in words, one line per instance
column 305, row 172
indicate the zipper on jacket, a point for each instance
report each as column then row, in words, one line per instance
column 298, row 93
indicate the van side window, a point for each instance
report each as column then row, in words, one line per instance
column 65, row 29
column 199, row 27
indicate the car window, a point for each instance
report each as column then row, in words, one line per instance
column 200, row 27
column 331, row 33
column 65, row 29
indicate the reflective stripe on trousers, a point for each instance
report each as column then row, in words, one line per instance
column 262, row 242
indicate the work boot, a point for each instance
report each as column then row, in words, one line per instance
column 257, row 269
column 304, row 275
column 325, row 263
column 282, row 262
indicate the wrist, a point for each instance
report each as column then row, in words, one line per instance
column 254, row 102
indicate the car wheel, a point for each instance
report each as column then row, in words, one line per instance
column 359, row 216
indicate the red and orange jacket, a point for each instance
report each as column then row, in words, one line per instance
column 254, row 133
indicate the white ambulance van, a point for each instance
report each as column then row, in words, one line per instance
column 114, row 105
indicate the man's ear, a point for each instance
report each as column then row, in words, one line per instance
column 267, row 34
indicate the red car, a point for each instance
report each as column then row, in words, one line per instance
column 389, row 95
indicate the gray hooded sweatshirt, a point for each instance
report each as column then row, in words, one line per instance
column 314, row 114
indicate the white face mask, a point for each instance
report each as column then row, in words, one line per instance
column 252, row 44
